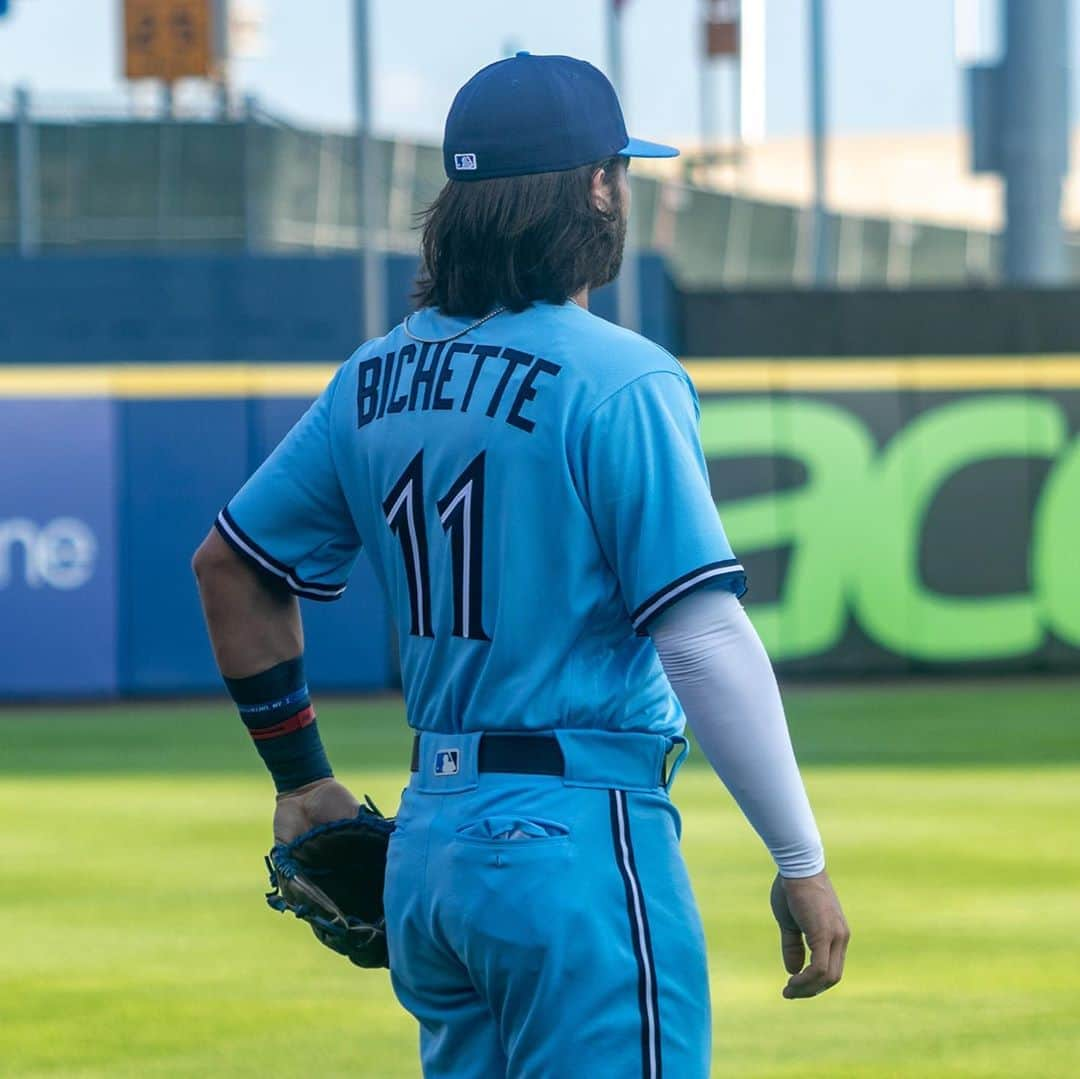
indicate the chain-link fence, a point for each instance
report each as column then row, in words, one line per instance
column 252, row 182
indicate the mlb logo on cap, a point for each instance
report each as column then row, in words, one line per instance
column 446, row 762
column 465, row 162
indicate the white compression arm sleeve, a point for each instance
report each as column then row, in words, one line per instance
column 722, row 676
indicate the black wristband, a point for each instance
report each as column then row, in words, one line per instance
column 276, row 709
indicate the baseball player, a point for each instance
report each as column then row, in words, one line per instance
column 528, row 483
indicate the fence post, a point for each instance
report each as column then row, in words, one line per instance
column 250, row 130
column 169, row 222
column 27, row 183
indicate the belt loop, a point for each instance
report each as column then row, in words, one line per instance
column 684, row 752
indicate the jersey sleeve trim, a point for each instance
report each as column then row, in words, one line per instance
column 730, row 569
column 244, row 545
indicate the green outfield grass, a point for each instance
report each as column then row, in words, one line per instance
column 134, row 942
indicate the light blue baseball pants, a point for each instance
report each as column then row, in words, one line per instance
column 543, row 927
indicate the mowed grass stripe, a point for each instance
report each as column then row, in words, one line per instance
column 929, row 723
column 136, row 942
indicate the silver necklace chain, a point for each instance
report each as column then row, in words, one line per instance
column 453, row 337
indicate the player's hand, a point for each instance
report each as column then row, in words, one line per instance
column 808, row 908
column 316, row 803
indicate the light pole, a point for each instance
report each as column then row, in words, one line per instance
column 626, row 284
column 367, row 180
column 818, row 116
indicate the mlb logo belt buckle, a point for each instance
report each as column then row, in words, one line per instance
column 447, row 762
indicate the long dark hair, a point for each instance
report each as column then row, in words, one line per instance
column 517, row 240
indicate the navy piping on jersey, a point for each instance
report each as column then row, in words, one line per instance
column 243, row 544
column 660, row 601
column 640, row 937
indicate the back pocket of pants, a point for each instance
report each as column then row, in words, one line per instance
column 513, row 830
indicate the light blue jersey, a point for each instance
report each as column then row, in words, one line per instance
column 531, row 491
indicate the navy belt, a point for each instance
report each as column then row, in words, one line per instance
column 525, row 754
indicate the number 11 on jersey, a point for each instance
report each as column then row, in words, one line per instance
column 461, row 513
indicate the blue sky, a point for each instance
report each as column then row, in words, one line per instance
column 892, row 64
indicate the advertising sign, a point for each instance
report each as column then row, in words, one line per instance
column 893, row 515
column 57, row 548
column 168, row 39
column 889, row 530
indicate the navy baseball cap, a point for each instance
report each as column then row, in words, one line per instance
column 532, row 114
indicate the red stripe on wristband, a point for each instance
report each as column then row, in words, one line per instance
column 303, row 718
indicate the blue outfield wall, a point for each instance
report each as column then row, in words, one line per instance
column 227, row 308
column 179, row 461
column 104, row 496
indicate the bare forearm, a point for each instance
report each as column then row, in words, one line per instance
column 253, row 623
column 258, row 640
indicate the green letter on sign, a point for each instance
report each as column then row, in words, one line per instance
column 819, row 520
column 1056, row 558
column 891, row 603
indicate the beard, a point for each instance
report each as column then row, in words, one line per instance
column 611, row 243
